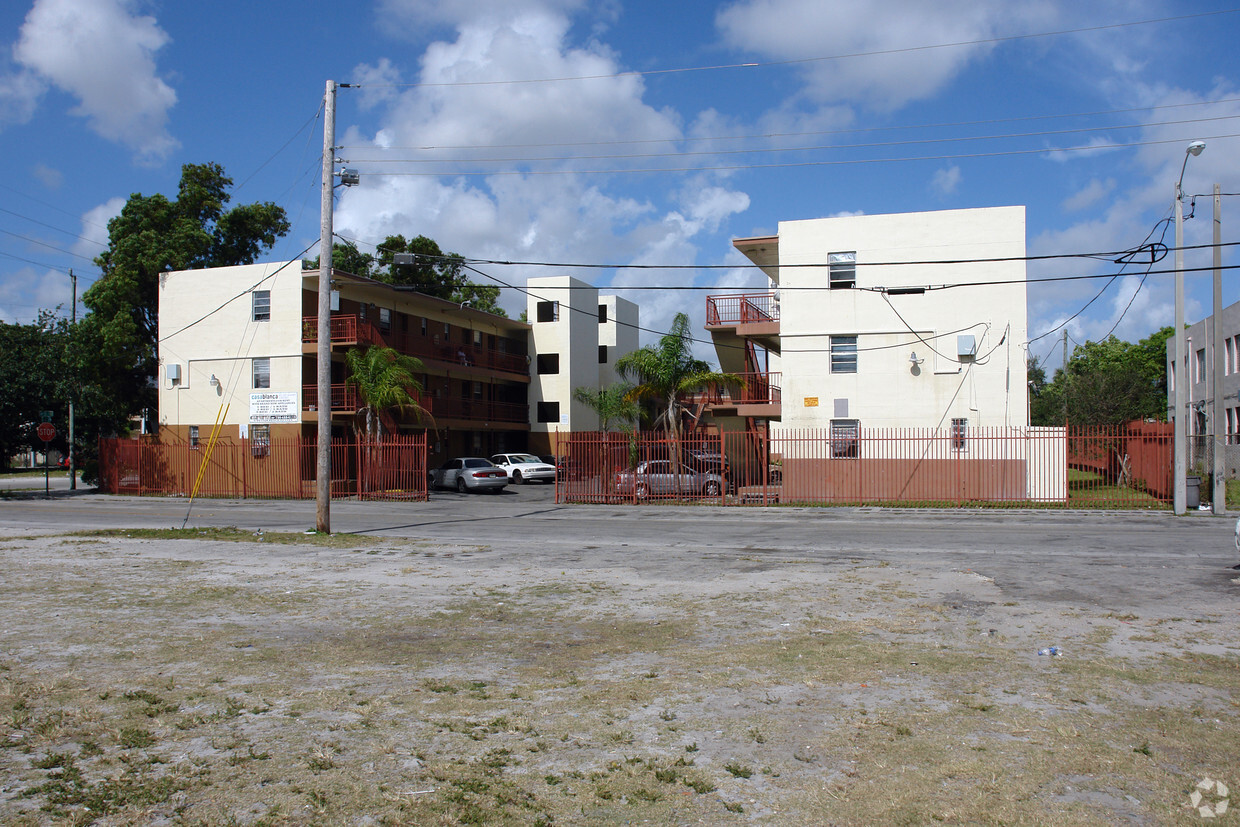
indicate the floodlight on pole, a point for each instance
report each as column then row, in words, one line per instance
column 1179, row 479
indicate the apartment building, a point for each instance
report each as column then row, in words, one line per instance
column 1197, row 370
column 577, row 336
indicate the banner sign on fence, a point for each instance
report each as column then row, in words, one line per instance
column 278, row 406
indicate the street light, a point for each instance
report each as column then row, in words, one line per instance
column 1179, row 480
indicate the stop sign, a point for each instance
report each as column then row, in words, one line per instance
column 47, row 432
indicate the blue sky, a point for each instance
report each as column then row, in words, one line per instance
column 655, row 133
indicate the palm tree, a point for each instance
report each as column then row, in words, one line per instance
column 665, row 371
column 612, row 404
column 385, row 381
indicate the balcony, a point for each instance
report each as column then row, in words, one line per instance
column 760, row 398
column 345, row 400
column 745, row 309
column 348, row 330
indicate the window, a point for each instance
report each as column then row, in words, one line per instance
column 262, row 373
column 260, row 440
column 602, row 314
column 959, row 429
column 1233, row 424
column 843, row 354
column 548, row 311
column 1199, row 366
column 843, row 270
column 548, row 363
column 385, row 320
column 1229, row 362
column 602, row 354
column 845, row 438
column 423, row 321
column 193, row 435
column 548, row 411
column 262, row 305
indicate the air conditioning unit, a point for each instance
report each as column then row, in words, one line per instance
column 966, row 347
column 174, row 373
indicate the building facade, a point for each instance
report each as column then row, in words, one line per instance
column 238, row 347
column 577, row 335
column 1197, row 370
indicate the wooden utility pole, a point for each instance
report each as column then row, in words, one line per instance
column 323, row 479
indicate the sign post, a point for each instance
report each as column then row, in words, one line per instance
column 46, row 432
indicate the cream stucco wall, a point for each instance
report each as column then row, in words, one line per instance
column 889, row 390
column 206, row 328
column 619, row 333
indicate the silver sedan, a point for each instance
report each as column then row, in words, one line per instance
column 469, row 474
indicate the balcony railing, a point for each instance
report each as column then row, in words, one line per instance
column 345, row 400
column 747, row 308
column 760, row 389
column 352, row 330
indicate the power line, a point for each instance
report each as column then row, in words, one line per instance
column 794, row 61
column 797, row 164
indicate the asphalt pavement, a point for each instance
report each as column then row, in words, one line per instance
column 1122, row 560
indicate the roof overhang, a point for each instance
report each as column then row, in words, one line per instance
column 762, row 251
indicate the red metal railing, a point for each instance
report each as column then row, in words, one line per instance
column 742, row 309
column 1119, row 467
column 344, row 397
column 394, row 468
column 352, row 330
column 759, row 389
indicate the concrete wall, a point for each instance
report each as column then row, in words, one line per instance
column 206, row 329
column 888, row 389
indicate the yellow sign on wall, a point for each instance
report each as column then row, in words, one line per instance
column 811, row 402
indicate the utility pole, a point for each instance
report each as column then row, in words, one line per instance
column 1065, row 376
column 1218, row 497
column 323, row 480
column 72, row 391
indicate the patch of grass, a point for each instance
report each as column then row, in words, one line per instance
column 738, row 770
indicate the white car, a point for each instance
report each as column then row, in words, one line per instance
column 523, row 468
column 469, row 474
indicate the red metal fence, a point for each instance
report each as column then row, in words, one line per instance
column 394, row 469
column 1123, row 467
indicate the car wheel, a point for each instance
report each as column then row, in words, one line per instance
column 516, row 478
column 712, row 488
column 641, row 491
column 460, row 484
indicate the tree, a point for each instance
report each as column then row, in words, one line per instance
column 433, row 273
column 612, row 404
column 385, row 382
column 116, row 344
column 1107, row 383
column 665, row 371
column 348, row 259
column 31, row 372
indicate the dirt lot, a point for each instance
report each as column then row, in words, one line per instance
column 147, row 678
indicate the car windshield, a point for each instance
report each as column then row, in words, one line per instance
column 474, row 462
column 523, row 458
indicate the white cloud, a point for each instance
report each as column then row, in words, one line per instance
column 894, row 33
column 102, row 54
column 19, row 96
column 417, row 14
column 1090, row 194
column 51, row 178
column 945, row 181
column 95, row 227
column 377, row 83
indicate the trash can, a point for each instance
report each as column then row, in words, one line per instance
column 1192, row 493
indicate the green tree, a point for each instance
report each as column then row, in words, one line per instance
column 1107, row 383
column 116, row 341
column 668, row 370
column 612, row 404
column 385, row 383
column 31, row 381
column 348, row 259
column 433, row 273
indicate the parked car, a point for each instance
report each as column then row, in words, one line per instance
column 469, row 474
column 523, row 468
column 656, row 477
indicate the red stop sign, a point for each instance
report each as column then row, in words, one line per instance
column 47, row 432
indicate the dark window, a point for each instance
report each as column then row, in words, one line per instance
column 260, row 440
column 548, row 363
column 262, row 305
column 385, row 320
column 262, row 373
column 845, row 438
column 843, row 354
column 423, row 321
column 602, row 314
column 193, row 436
column 602, row 354
column 843, row 267
column 960, row 429
column 548, row 411
column 548, row 311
